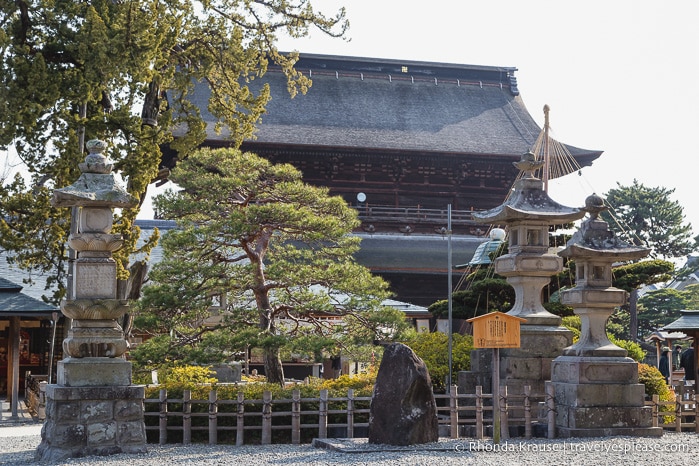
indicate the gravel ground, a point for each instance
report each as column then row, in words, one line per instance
column 17, row 446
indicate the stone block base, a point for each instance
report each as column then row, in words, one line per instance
column 564, row 432
column 603, row 417
column 593, row 395
column 598, row 396
column 528, row 365
column 594, row 370
column 93, row 372
column 85, row 421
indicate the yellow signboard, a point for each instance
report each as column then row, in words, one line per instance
column 496, row 330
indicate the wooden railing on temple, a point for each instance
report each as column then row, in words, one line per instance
column 418, row 219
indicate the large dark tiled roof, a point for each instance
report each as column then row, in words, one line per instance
column 398, row 106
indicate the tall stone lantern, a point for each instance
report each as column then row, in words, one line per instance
column 596, row 386
column 527, row 213
column 93, row 409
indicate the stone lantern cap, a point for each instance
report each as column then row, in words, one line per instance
column 96, row 186
column 529, row 202
column 595, row 240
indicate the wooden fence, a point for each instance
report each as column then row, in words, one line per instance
column 683, row 414
column 301, row 418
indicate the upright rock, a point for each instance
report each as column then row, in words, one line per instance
column 403, row 410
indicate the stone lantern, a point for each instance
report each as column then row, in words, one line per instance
column 528, row 266
column 596, row 386
column 527, row 213
column 93, row 409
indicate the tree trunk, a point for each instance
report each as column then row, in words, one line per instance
column 273, row 366
column 633, row 316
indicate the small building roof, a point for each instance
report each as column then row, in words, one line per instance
column 660, row 335
column 688, row 322
column 14, row 303
column 482, row 254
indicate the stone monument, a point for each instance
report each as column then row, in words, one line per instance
column 93, row 409
column 403, row 409
column 596, row 386
column 527, row 213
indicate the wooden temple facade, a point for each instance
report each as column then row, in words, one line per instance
column 400, row 141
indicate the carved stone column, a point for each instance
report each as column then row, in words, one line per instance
column 93, row 409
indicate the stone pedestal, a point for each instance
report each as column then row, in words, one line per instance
column 98, row 420
column 93, row 372
column 528, row 365
column 600, row 396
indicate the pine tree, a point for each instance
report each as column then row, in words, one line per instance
column 279, row 250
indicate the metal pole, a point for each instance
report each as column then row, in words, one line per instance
column 449, row 300
column 15, row 335
column 54, row 321
column 496, row 395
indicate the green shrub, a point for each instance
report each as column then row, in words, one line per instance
column 432, row 349
column 654, row 383
column 573, row 324
column 188, row 376
column 633, row 349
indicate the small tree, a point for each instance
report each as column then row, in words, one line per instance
column 659, row 308
column 631, row 277
column 651, row 219
column 277, row 251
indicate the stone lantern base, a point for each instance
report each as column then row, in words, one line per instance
column 600, row 396
column 92, row 420
column 528, row 365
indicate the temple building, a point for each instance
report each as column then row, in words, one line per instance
column 400, row 140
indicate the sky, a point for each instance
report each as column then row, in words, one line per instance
column 619, row 76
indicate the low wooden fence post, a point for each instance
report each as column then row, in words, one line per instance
column 527, row 412
column 266, row 417
column 163, row 417
column 504, row 420
column 696, row 413
column 479, row 412
column 323, row 414
column 187, row 417
column 551, row 407
column 454, row 412
column 296, row 417
column 655, row 410
column 350, row 413
column 213, row 417
column 678, row 412
column 240, row 420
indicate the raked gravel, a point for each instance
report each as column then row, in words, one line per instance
column 18, row 444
